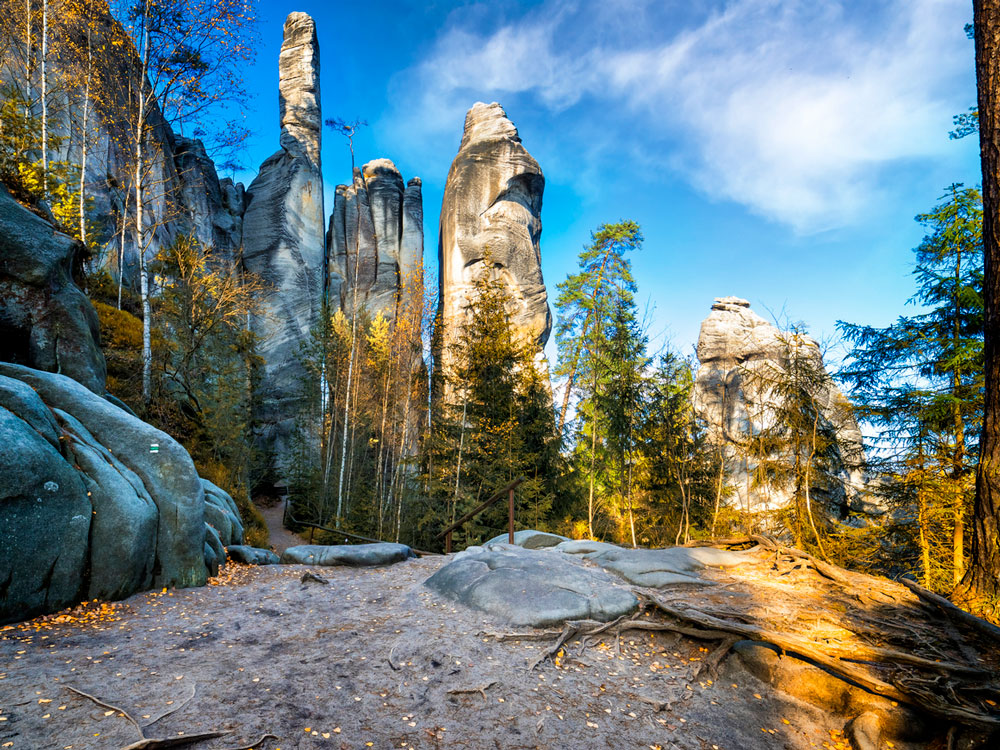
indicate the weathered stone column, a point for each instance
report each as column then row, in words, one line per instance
column 491, row 223
column 284, row 239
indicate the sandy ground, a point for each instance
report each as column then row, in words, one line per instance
column 373, row 659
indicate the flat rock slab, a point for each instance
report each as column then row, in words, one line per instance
column 655, row 567
column 243, row 553
column 533, row 588
column 381, row 553
column 530, row 539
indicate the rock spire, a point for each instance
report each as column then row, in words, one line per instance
column 284, row 238
column 491, row 223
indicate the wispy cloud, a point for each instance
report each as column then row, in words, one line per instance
column 797, row 110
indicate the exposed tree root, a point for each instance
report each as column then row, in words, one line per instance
column 151, row 743
column 957, row 613
column 865, row 630
column 481, row 689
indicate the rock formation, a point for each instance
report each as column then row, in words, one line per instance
column 184, row 196
column 88, row 509
column 739, row 353
column 491, row 223
column 46, row 322
column 284, row 234
column 375, row 239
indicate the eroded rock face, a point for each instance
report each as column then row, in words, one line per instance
column 491, row 223
column 87, row 511
column 376, row 240
column 184, row 194
column 739, row 353
column 284, row 234
column 46, row 321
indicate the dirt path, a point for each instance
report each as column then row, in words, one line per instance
column 373, row 659
column 281, row 538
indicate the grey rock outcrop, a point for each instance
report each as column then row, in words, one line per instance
column 246, row 555
column 533, row 588
column 46, row 322
column 284, row 238
column 740, row 354
column 375, row 240
column 87, row 510
column 491, row 224
column 530, row 539
column 655, row 567
column 379, row 553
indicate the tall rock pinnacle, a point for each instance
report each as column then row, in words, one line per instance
column 284, row 238
column 376, row 239
column 491, row 223
column 298, row 87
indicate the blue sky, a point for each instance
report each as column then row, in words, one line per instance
column 777, row 151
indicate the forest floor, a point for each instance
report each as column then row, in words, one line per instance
column 280, row 537
column 371, row 659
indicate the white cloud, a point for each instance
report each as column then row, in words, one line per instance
column 796, row 110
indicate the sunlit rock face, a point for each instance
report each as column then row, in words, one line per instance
column 491, row 224
column 376, row 241
column 742, row 359
column 284, row 238
column 182, row 192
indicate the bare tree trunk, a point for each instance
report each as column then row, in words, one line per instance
column 354, row 329
column 397, row 480
column 925, row 547
column 44, row 93
column 27, row 59
column 458, row 466
column 808, row 480
column 981, row 581
column 121, row 248
column 593, row 456
column 958, row 459
column 84, row 140
column 140, row 240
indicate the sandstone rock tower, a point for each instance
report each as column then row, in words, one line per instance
column 491, row 223
column 733, row 345
column 377, row 229
column 284, row 233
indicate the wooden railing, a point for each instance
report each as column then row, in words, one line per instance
column 508, row 491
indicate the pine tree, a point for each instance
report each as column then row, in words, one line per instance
column 921, row 379
column 497, row 426
column 586, row 302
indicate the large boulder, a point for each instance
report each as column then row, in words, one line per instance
column 655, row 567
column 491, row 225
column 45, row 514
column 247, row 555
column 378, row 553
column 46, row 322
column 530, row 539
column 376, row 240
column 222, row 514
column 534, row 588
column 741, row 356
column 284, row 237
column 87, row 509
